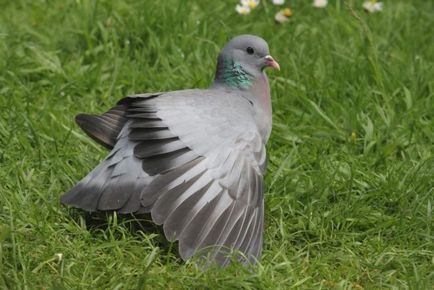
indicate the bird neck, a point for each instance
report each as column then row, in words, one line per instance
column 233, row 75
column 255, row 88
column 260, row 97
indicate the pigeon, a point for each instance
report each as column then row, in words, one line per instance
column 193, row 159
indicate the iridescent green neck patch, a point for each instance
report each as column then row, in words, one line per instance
column 234, row 76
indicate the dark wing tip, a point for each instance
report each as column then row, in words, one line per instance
column 92, row 126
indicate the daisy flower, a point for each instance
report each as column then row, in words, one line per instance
column 283, row 15
column 250, row 3
column 243, row 10
column 278, row 2
column 373, row 6
column 319, row 3
column 246, row 6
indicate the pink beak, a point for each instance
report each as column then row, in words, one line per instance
column 271, row 62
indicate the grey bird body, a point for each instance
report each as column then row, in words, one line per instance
column 193, row 159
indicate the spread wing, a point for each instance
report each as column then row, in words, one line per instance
column 200, row 174
column 212, row 200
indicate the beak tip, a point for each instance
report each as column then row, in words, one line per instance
column 271, row 62
column 277, row 66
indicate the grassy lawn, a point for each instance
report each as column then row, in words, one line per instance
column 350, row 181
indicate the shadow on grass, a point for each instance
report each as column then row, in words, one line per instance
column 117, row 225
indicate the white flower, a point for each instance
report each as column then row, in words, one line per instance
column 319, row 3
column 373, row 6
column 283, row 15
column 278, row 2
column 58, row 256
column 250, row 3
column 243, row 10
column 246, row 6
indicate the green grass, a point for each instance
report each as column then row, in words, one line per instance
column 350, row 182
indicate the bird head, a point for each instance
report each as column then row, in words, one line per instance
column 242, row 60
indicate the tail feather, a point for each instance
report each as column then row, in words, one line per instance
column 106, row 127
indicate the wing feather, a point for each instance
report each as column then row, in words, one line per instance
column 208, row 222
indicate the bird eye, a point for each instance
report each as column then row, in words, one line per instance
column 250, row 50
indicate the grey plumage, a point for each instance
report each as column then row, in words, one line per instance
column 193, row 159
